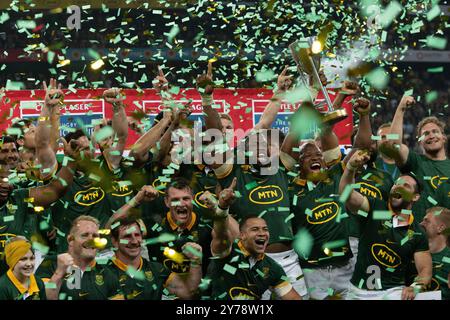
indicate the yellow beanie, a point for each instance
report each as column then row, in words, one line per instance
column 15, row 250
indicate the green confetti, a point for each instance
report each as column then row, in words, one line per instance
column 251, row 185
column 303, row 243
column 436, row 42
column 363, row 213
column 382, row 215
column 432, row 201
column 264, row 75
column 433, row 13
column 229, row 269
column 378, row 78
column 431, row 96
column 27, row 24
column 104, row 133
column 390, row 13
column 8, row 218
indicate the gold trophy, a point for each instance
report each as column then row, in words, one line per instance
column 306, row 56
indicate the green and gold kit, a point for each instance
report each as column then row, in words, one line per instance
column 442, row 196
column 12, row 289
column 386, row 246
column 373, row 183
column 17, row 217
column 71, row 286
column 317, row 209
column 239, row 276
column 441, row 270
column 196, row 231
column 432, row 173
column 100, row 283
column 145, row 283
column 263, row 195
column 390, row 168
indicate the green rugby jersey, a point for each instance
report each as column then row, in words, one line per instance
column 82, row 198
column 266, row 196
column 12, row 289
column 442, row 196
column 390, row 168
column 17, row 217
column 441, row 270
column 432, row 173
column 145, row 283
column 100, row 283
column 389, row 248
column 238, row 276
column 68, row 291
column 317, row 209
column 196, row 231
column 373, row 183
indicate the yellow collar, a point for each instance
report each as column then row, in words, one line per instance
column 175, row 226
column 124, row 267
column 33, row 288
column 246, row 253
column 201, row 166
column 300, row 181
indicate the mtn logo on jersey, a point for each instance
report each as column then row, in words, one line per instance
column 266, row 195
column 370, row 191
column 437, row 180
column 121, row 191
column 160, row 186
column 173, row 266
column 385, row 255
column 239, row 293
column 89, row 197
column 323, row 213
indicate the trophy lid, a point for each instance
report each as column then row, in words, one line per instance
column 303, row 57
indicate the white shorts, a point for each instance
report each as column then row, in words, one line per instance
column 288, row 260
column 354, row 242
column 328, row 281
column 355, row 293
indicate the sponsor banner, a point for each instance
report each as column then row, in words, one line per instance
column 244, row 106
column 75, row 113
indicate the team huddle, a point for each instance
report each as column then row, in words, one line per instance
column 270, row 216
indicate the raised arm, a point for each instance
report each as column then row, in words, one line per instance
column 45, row 153
column 270, row 113
column 146, row 194
column 186, row 286
column 397, row 128
column 364, row 133
column 205, row 87
column 45, row 195
column 225, row 229
column 113, row 154
column 64, row 260
column 355, row 201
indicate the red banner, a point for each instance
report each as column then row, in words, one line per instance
column 245, row 106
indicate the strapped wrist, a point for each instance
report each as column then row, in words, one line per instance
column 207, row 99
column 350, row 167
column 221, row 212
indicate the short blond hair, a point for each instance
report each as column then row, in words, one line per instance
column 74, row 227
column 428, row 120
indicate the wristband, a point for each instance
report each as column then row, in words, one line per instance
column 207, row 100
column 221, row 213
column 350, row 167
column 418, row 287
column 133, row 203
